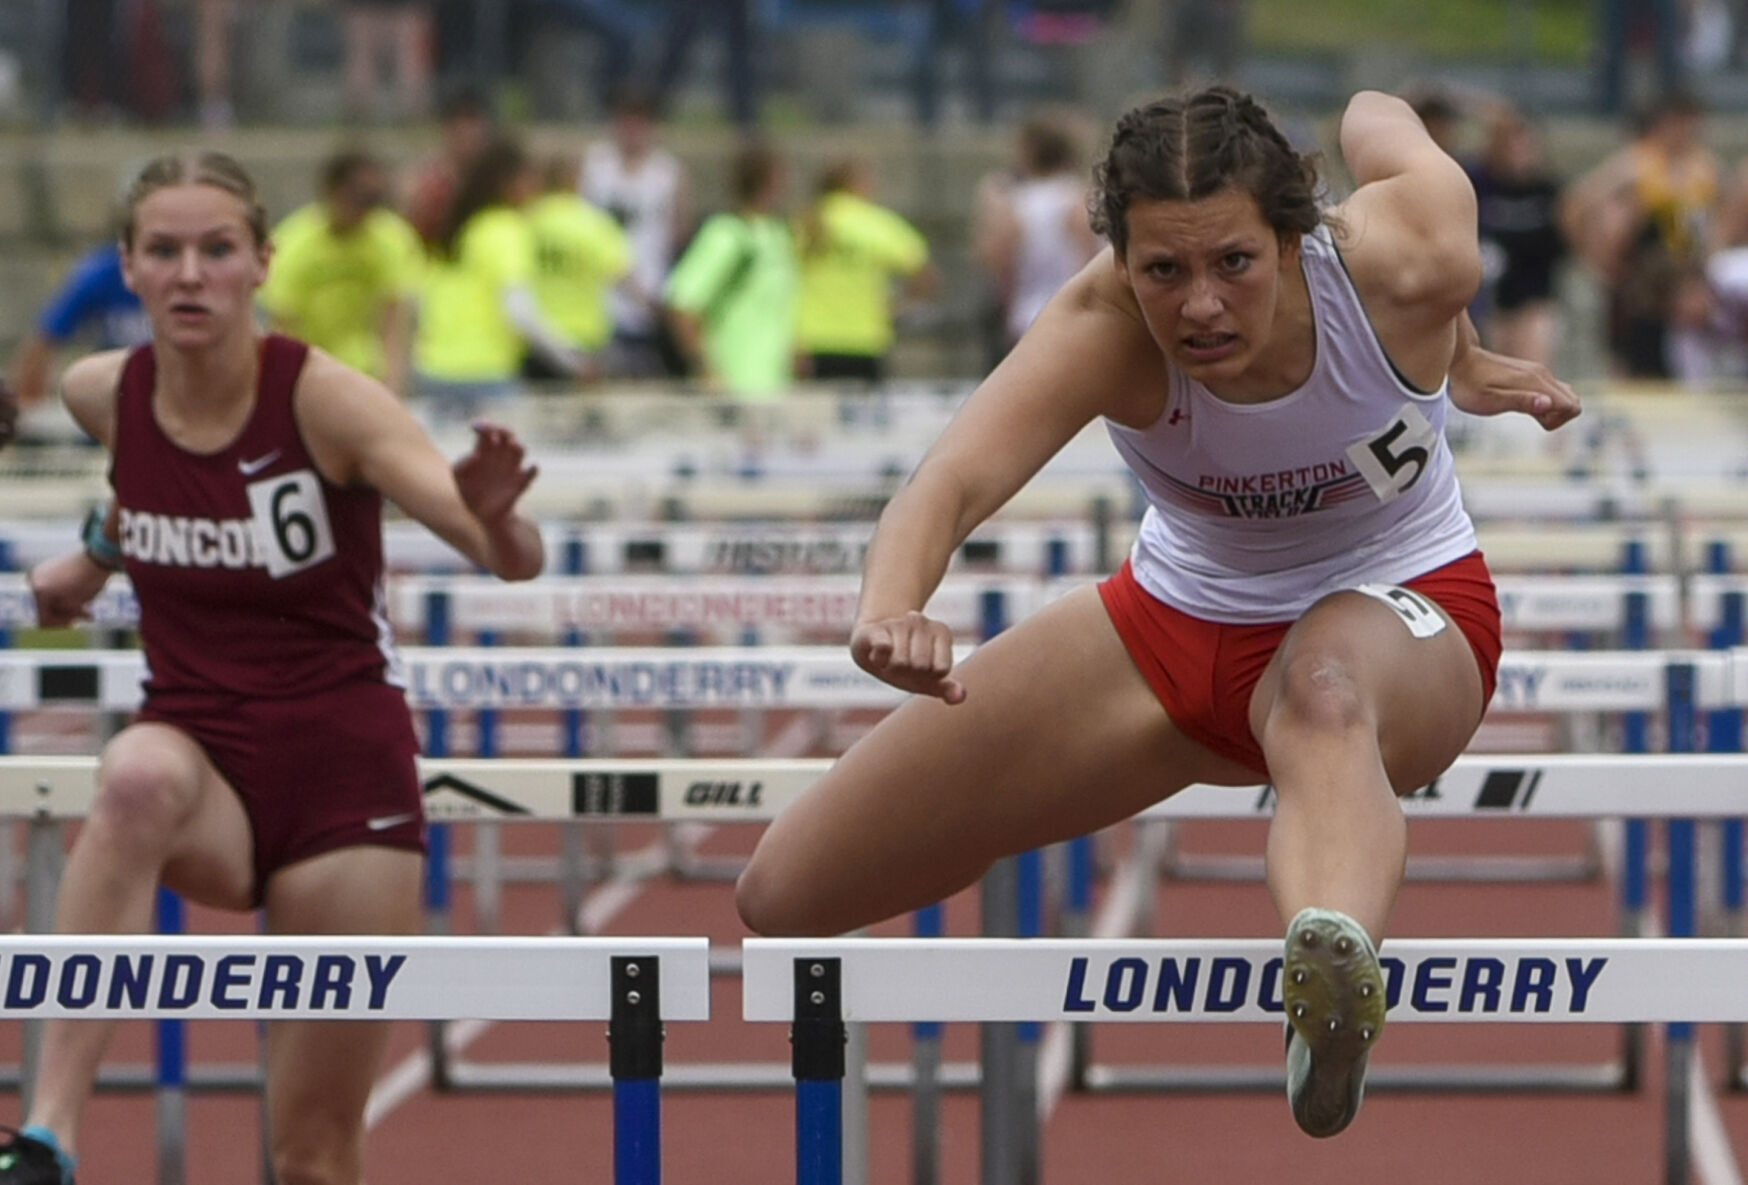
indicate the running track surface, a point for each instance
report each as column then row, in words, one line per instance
column 1428, row 1139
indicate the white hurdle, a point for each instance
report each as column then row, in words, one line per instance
column 755, row 790
column 809, row 677
column 250, row 977
column 635, row 984
column 1524, row 980
column 818, row 986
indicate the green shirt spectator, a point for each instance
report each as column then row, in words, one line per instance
column 580, row 252
column 738, row 278
column 731, row 297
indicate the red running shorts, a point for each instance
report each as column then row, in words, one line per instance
column 1204, row 671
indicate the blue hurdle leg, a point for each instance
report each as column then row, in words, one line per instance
column 172, row 1074
column 634, row 1036
column 817, row 1040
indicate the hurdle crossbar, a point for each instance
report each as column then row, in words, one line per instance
column 810, row 677
column 1525, row 980
column 245, row 977
column 635, row 984
column 827, row 601
column 754, row 790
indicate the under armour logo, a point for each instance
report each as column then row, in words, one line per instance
column 1177, row 413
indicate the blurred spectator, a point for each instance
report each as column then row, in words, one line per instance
column 213, row 48
column 345, row 271
column 1708, row 336
column 1440, row 115
column 93, row 302
column 1708, row 40
column 611, row 24
column 972, row 27
column 465, row 126
column 1207, row 39
column 1731, row 228
column 1518, row 211
column 731, row 297
column 399, row 30
column 851, row 250
column 735, row 18
column 580, row 253
column 1625, row 26
column 92, row 57
column 989, row 205
column 1518, row 204
column 478, row 314
column 1640, row 220
column 1033, row 234
column 643, row 186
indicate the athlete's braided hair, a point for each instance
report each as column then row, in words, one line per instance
column 1188, row 148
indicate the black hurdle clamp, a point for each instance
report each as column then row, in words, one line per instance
column 634, row 1028
column 818, row 1034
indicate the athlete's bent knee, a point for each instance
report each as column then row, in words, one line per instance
column 771, row 903
column 1318, row 693
column 143, row 796
column 755, row 901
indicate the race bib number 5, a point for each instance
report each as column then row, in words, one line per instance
column 1420, row 615
column 1396, row 457
column 291, row 522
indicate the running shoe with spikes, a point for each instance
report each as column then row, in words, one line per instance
column 26, row 1160
column 1334, row 994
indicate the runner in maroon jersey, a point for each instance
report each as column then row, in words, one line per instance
column 273, row 762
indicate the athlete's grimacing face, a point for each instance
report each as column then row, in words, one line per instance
column 194, row 262
column 1207, row 276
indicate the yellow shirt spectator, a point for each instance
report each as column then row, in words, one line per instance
column 465, row 334
column 580, row 253
column 333, row 288
column 853, row 251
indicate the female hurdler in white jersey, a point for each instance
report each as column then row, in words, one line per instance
column 1304, row 601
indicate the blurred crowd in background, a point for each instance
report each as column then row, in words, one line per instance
column 488, row 268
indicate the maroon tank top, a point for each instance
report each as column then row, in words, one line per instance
column 255, row 575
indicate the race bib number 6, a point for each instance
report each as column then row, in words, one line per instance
column 291, row 522
column 1396, row 457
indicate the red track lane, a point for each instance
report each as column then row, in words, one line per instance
column 712, row 1138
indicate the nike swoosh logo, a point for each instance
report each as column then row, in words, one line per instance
column 251, row 468
column 384, row 822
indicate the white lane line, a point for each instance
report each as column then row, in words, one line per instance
column 1131, row 885
column 412, row 1074
column 1708, row 1143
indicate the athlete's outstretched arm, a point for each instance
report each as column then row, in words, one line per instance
column 64, row 585
column 359, row 433
column 1079, row 360
column 1485, row 383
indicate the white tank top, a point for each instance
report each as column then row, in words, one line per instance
column 642, row 201
column 1257, row 510
column 1047, row 254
